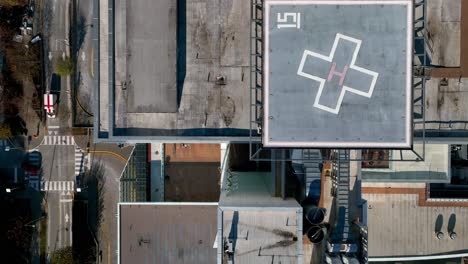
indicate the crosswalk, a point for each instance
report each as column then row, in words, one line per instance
column 79, row 161
column 58, row 140
column 59, row 186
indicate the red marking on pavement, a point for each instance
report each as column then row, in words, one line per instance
column 333, row 72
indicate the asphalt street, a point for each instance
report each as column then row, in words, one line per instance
column 57, row 46
column 58, row 147
column 113, row 169
column 57, row 151
column 58, row 185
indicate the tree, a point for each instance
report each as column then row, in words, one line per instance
column 62, row 256
column 23, row 62
column 64, row 66
column 9, row 3
column 5, row 131
column 18, row 233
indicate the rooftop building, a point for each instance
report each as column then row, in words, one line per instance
column 332, row 78
column 173, row 69
column 401, row 227
column 357, row 81
column 167, row 233
column 436, row 166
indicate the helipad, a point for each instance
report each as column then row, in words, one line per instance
column 338, row 73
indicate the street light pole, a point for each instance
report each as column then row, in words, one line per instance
column 33, row 221
column 78, row 189
column 9, row 190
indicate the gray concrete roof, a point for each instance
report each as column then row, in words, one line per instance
column 446, row 102
column 263, row 237
column 336, row 72
column 150, row 51
column 399, row 227
column 169, row 56
column 167, row 233
column 434, row 168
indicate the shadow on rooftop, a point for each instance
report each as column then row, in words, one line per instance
column 181, row 47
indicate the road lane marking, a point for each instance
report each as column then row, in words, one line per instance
column 60, row 227
column 62, row 186
column 70, row 229
column 79, row 161
column 91, row 65
column 122, row 158
column 58, row 140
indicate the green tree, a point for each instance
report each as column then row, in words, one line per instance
column 64, row 66
column 62, row 256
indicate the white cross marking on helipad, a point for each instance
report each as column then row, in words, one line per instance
column 345, row 88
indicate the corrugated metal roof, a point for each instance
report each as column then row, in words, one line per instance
column 399, row 227
column 167, row 233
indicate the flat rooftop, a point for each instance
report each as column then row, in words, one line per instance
column 165, row 77
column 399, row 227
column 150, row 73
column 167, row 233
column 191, row 172
column 264, row 236
column 338, row 73
column 446, row 107
column 435, row 168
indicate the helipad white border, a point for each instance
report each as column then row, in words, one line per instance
column 267, row 142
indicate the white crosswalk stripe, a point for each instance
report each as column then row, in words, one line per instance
column 58, row 186
column 79, row 161
column 58, row 140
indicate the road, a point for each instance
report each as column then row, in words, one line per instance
column 57, row 46
column 58, row 185
column 57, row 148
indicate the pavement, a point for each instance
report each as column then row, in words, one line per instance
column 57, row 46
column 58, row 185
column 82, row 43
column 113, row 169
column 57, row 145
